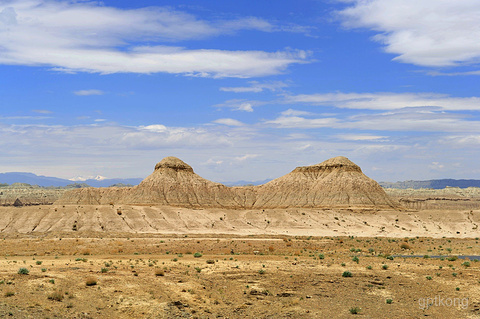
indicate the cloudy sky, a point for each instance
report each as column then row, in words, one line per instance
column 240, row 90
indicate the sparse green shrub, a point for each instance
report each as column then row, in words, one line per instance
column 321, row 256
column 385, row 267
column 354, row 310
column 197, row 255
column 356, row 259
column 210, row 261
column 466, row 264
column 261, row 271
column 389, row 301
column 23, row 271
column 44, row 269
column 104, row 270
column 347, row 274
column 429, row 277
column 38, row 262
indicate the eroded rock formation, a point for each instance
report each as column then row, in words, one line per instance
column 337, row 182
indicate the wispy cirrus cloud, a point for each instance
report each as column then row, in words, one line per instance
column 360, row 137
column 42, row 111
column 88, row 92
column 416, row 119
column 257, row 87
column 73, row 36
column 229, row 122
column 386, row 100
column 240, row 105
column 432, row 33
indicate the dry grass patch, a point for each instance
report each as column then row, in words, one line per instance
column 56, row 295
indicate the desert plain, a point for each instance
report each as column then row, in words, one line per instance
column 323, row 242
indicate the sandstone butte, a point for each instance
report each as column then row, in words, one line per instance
column 334, row 183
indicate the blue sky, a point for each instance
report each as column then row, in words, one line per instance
column 240, row 90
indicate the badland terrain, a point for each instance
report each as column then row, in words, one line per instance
column 324, row 241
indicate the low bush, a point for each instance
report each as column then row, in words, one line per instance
column 23, row 271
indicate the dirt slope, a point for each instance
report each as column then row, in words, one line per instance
column 143, row 219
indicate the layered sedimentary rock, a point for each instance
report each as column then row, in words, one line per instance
column 334, row 182
column 337, row 182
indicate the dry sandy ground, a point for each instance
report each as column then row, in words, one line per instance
column 293, row 222
column 261, row 277
column 276, row 263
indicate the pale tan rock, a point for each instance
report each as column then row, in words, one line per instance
column 337, row 182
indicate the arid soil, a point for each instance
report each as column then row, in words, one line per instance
column 36, row 220
column 152, row 276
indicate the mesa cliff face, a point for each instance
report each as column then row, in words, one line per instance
column 337, row 182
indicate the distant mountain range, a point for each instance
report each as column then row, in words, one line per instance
column 45, row 181
column 434, row 183
column 246, row 183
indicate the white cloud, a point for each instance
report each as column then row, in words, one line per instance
column 240, row 105
column 72, row 36
column 436, row 166
column 211, row 161
column 292, row 112
column 154, row 128
column 221, row 153
column 246, row 157
column 27, row 117
column 88, row 92
column 229, row 122
column 256, row 87
column 387, row 101
column 301, row 122
column 416, row 119
column 461, row 140
column 360, row 137
column 413, row 120
column 428, row 32
column 42, row 111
